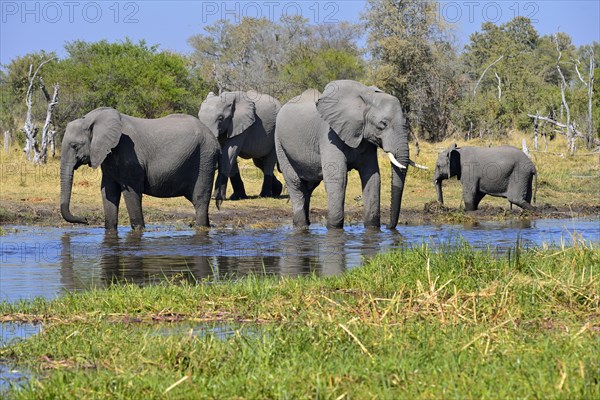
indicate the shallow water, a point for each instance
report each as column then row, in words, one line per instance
column 48, row 261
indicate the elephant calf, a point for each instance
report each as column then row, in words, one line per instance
column 167, row 157
column 503, row 171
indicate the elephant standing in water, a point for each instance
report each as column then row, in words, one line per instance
column 244, row 123
column 503, row 171
column 167, row 157
column 320, row 137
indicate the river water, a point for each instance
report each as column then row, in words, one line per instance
column 45, row 262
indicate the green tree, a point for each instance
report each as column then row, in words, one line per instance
column 413, row 58
column 136, row 79
column 513, row 72
column 279, row 58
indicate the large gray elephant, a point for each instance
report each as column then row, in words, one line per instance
column 167, row 157
column 244, row 123
column 503, row 171
column 320, row 137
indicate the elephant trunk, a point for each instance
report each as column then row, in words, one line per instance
column 398, row 178
column 66, row 184
column 438, row 188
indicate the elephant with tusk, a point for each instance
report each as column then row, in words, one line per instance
column 320, row 137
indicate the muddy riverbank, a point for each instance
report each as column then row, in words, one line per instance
column 251, row 214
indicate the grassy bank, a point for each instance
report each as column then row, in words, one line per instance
column 31, row 194
column 412, row 324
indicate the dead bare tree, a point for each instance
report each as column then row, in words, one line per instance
column 575, row 133
column 590, row 90
column 7, row 141
column 483, row 74
column 499, row 87
column 32, row 146
column 47, row 134
column 535, row 133
column 571, row 145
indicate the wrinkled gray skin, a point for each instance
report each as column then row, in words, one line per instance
column 503, row 171
column 244, row 124
column 167, row 157
column 322, row 137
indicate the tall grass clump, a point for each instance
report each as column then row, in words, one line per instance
column 417, row 323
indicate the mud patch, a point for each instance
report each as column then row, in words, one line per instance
column 251, row 214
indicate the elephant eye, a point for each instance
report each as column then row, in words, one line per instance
column 220, row 118
column 382, row 125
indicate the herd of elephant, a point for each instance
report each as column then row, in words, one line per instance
column 314, row 137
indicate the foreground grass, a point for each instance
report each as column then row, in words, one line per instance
column 563, row 182
column 414, row 323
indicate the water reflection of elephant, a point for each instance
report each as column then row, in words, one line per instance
column 138, row 258
column 125, row 260
column 328, row 254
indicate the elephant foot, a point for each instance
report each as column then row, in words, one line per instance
column 238, row 196
column 373, row 224
column 470, row 207
column 300, row 220
column 335, row 224
column 277, row 187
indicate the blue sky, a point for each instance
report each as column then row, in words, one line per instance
column 30, row 26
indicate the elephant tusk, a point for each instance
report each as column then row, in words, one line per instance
column 414, row 164
column 395, row 162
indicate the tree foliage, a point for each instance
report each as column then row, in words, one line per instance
column 414, row 59
column 134, row 78
column 279, row 58
column 488, row 87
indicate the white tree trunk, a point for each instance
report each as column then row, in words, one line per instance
column 590, row 90
column 47, row 135
column 7, row 141
column 32, row 149
column 536, row 125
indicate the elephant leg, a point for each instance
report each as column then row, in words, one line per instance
column 471, row 195
column 277, row 186
column 371, row 187
column 299, row 191
column 201, row 202
column 111, row 197
column 522, row 203
column 239, row 191
column 229, row 166
column 478, row 197
column 300, row 195
column 267, row 165
column 469, row 199
column 335, row 177
column 133, row 201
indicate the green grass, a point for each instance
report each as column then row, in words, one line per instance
column 420, row 323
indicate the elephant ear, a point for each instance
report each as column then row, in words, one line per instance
column 454, row 162
column 342, row 105
column 105, row 127
column 244, row 115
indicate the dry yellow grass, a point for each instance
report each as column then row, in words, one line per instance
column 563, row 182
